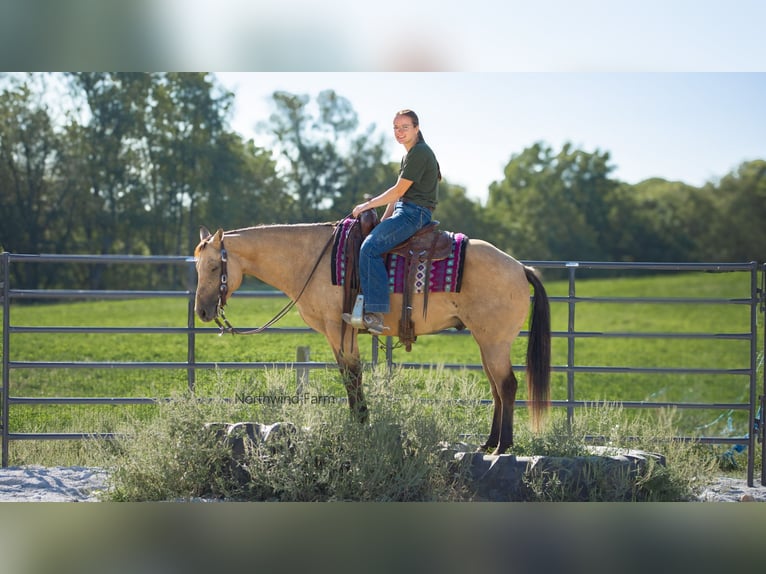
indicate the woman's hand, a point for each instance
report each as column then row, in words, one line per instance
column 359, row 209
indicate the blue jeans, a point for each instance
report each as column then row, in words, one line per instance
column 405, row 221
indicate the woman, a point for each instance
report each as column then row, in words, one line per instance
column 409, row 205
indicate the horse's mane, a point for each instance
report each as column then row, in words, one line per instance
column 281, row 225
column 266, row 226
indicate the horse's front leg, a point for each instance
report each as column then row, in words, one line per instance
column 351, row 374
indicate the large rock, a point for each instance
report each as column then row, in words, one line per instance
column 605, row 474
column 243, row 437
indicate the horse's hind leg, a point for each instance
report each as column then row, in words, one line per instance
column 494, row 433
column 497, row 366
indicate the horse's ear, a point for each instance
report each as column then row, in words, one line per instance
column 204, row 233
column 218, row 238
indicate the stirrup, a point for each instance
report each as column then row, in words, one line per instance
column 357, row 313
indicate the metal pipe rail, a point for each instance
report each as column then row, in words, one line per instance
column 571, row 334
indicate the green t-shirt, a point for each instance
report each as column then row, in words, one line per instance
column 422, row 169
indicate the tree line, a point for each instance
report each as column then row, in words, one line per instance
column 133, row 163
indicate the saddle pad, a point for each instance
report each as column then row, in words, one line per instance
column 446, row 274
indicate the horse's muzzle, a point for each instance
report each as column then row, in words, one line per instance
column 207, row 313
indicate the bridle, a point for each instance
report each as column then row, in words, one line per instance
column 223, row 289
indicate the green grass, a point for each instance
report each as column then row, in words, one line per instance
column 437, row 350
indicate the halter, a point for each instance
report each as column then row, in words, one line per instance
column 223, row 288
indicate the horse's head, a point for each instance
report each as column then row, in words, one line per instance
column 219, row 274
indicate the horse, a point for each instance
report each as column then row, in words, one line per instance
column 493, row 303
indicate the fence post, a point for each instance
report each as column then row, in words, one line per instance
column 303, row 355
column 6, row 258
column 762, row 401
column 753, row 368
column 571, row 269
column 374, row 351
column 191, row 371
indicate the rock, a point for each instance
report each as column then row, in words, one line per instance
column 607, row 474
column 243, row 437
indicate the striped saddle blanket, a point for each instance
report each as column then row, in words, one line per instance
column 445, row 274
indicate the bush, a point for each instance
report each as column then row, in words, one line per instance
column 674, row 470
column 324, row 455
column 327, row 456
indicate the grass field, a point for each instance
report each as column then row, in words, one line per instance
column 437, row 350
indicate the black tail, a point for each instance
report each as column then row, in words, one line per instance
column 538, row 351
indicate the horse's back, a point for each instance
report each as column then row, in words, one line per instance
column 494, row 293
column 488, row 268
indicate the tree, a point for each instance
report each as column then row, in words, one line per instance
column 366, row 173
column 32, row 204
column 185, row 142
column 668, row 220
column 27, row 149
column 459, row 213
column 327, row 166
column 555, row 205
column 248, row 191
column 100, row 152
column 737, row 232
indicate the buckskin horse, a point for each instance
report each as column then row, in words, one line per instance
column 493, row 303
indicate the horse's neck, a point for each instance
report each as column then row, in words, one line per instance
column 280, row 255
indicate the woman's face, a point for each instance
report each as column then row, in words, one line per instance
column 405, row 132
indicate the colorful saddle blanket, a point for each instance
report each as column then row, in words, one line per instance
column 446, row 274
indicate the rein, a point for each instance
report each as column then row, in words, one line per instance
column 221, row 320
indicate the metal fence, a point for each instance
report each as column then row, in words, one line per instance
column 755, row 301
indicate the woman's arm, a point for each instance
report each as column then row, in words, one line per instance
column 388, row 197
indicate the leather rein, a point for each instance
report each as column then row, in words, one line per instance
column 223, row 288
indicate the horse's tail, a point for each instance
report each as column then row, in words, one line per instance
column 538, row 351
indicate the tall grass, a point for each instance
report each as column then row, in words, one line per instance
column 672, row 470
column 325, row 456
column 398, row 456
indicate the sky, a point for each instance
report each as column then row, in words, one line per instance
column 690, row 127
column 670, row 88
column 349, row 35
column 453, row 35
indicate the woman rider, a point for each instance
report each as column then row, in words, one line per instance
column 409, row 205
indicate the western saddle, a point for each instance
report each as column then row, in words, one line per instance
column 427, row 245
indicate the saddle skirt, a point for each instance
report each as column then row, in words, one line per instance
column 443, row 273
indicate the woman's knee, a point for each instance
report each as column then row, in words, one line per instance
column 371, row 248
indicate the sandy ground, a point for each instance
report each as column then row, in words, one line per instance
column 51, row 484
column 80, row 484
column 734, row 490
